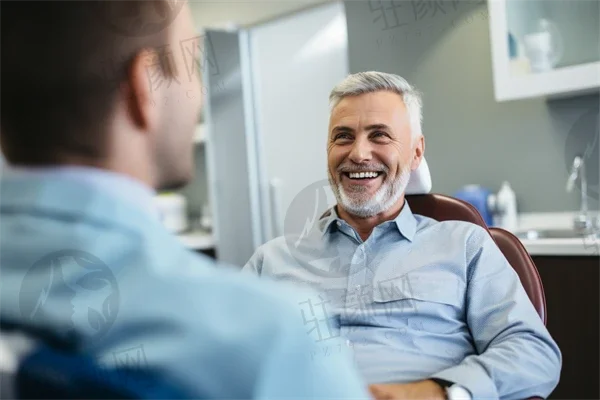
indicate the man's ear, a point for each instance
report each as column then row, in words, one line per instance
column 141, row 106
column 418, row 151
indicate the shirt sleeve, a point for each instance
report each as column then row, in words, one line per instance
column 517, row 358
column 293, row 371
column 300, row 363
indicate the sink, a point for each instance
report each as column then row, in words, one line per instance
column 533, row 234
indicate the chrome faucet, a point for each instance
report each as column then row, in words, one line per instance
column 582, row 222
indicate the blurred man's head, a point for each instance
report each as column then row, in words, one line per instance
column 100, row 83
column 375, row 142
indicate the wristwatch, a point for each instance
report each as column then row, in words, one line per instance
column 453, row 390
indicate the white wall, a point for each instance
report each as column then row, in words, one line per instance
column 219, row 13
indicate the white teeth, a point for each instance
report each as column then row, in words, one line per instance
column 363, row 175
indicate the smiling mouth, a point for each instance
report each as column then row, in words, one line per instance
column 363, row 175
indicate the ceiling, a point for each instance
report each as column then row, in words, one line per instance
column 230, row 13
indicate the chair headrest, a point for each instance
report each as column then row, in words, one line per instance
column 420, row 180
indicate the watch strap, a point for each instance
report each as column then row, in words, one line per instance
column 442, row 382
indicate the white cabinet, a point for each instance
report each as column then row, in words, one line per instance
column 544, row 48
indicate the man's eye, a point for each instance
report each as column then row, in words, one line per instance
column 379, row 134
column 342, row 136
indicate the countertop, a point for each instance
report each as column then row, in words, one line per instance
column 585, row 246
column 562, row 247
column 201, row 240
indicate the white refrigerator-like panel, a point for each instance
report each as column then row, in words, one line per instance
column 296, row 61
column 267, row 120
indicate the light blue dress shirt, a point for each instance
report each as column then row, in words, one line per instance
column 83, row 252
column 119, row 186
column 419, row 299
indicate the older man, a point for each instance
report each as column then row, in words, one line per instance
column 432, row 309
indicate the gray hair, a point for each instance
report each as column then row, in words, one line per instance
column 374, row 81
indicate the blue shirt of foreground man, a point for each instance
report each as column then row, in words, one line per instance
column 82, row 252
column 425, row 305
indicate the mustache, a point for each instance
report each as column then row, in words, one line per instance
column 345, row 168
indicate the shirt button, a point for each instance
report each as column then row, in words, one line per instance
column 339, row 223
column 348, row 343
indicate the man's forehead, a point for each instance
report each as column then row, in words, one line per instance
column 368, row 108
column 369, row 104
column 374, row 100
column 355, row 117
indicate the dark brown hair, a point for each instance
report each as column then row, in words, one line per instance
column 62, row 64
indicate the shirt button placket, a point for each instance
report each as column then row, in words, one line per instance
column 356, row 278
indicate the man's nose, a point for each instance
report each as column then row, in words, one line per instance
column 361, row 151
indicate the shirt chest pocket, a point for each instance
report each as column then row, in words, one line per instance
column 413, row 288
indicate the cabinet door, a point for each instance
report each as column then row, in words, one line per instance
column 571, row 286
column 568, row 29
column 545, row 47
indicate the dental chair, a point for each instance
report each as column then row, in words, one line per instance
column 37, row 364
column 443, row 208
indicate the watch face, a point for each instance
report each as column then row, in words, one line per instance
column 457, row 392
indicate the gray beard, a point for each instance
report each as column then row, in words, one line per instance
column 385, row 197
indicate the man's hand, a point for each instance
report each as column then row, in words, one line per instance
column 423, row 390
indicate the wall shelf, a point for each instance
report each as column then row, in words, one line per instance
column 567, row 81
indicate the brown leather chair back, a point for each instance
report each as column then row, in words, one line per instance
column 517, row 255
column 446, row 208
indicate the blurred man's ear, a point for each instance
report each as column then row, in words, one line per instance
column 418, row 151
column 141, row 106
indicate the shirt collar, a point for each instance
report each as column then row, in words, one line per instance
column 327, row 219
column 405, row 221
column 116, row 185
